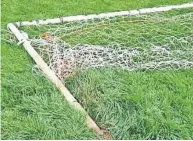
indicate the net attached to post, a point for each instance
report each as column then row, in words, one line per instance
column 143, row 42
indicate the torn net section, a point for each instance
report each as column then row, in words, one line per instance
column 142, row 42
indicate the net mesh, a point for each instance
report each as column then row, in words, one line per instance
column 141, row 42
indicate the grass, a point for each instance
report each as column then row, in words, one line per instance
column 33, row 109
column 138, row 105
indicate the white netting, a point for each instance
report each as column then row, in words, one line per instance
column 142, row 42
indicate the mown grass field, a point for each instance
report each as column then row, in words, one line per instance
column 160, row 104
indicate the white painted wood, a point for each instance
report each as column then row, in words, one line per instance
column 49, row 73
column 52, row 77
column 103, row 15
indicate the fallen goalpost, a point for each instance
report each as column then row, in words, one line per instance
column 63, row 58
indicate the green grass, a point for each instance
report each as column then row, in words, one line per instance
column 143, row 104
column 131, row 33
column 33, row 109
column 138, row 105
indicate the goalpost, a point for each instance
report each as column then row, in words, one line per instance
column 145, row 39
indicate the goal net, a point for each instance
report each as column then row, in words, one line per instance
column 129, row 42
column 141, row 42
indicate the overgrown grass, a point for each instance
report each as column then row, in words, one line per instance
column 143, row 104
column 33, row 109
column 138, row 105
